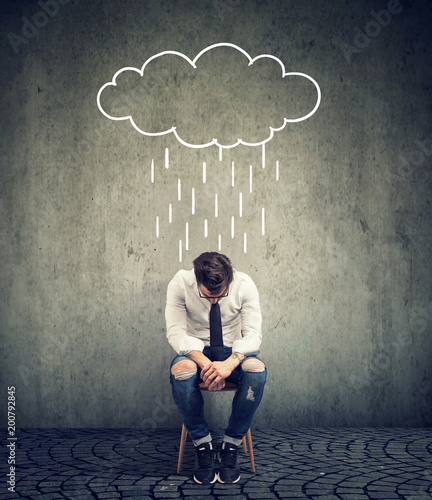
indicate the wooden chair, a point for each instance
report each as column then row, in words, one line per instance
column 229, row 387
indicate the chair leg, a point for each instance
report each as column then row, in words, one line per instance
column 244, row 444
column 181, row 449
column 251, row 455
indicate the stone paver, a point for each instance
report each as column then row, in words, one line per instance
column 344, row 464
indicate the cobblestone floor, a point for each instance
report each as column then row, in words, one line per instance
column 347, row 464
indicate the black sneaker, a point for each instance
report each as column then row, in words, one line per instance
column 205, row 472
column 229, row 471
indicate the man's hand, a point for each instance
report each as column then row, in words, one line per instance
column 214, row 375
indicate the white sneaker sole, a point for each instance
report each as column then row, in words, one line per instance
column 231, row 482
column 211, row 482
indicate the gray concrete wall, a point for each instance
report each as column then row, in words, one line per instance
column 344, row 266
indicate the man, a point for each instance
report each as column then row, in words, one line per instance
column 213, row 319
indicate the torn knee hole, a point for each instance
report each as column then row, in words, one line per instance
column 183, row 371
column 184, row 374
column 253, row 365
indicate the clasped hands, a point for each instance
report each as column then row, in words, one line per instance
column 214, row 374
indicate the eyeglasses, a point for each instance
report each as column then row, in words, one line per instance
column 212, row 296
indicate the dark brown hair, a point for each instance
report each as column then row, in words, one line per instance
column 214, row 271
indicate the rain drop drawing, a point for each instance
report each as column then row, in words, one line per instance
column 231, row 100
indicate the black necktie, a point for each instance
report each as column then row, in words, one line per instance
column 216, row 340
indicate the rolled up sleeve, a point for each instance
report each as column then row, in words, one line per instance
column 176, row 321
column 251, row 320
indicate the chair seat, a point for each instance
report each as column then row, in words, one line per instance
column 229, row 386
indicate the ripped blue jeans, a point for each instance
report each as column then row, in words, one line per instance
column 190, row 402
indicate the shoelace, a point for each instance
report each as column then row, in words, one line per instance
column 229, row 456
column 204, row 457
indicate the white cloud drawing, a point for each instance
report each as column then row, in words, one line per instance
column 222, row 97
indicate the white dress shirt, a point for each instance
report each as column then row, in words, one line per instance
column 187, row 315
